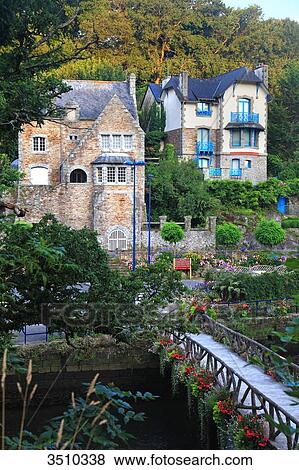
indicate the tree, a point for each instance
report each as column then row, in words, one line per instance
column 178, row 190
column 172, row 232
column 269, row 233
column 227, row 234
column 36, row 37
column 284, row 116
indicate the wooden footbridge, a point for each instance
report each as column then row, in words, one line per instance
column 253, row 390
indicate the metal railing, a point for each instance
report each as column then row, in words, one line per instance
column 244, row 393
column 262, row 306
column 204, row 148
column 245, row 117
column 215, row 172
column 235, row 172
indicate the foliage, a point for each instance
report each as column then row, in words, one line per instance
column 269, row 232
column 172, row 232
column 264, row 286
column 34, row 40
column 98, row 420
column 8, row 175
column 290, row 222
column 178, row 190
column 228, row 288
column 227, row 234
column 284, row 116
column 242, row 194
column 153, row 123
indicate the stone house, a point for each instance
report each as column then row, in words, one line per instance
column 78, row 167
column 220, row 122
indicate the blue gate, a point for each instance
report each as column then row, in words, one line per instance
column 281, row 204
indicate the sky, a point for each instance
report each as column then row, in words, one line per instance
column 271, row 8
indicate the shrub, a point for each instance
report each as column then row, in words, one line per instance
column 291, row 222
column 227, row 234
column 269, row 232
column 172, row 232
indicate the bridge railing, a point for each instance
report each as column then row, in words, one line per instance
column 248, row 348
column 245, row 394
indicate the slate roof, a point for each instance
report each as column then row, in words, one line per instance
column 112, row 159
column 156, row 91
column 212, row 88
column 92, row 96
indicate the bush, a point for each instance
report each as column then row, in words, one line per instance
column 292, row 222
column 227, row 234
column 269, row 232
column 172, row 232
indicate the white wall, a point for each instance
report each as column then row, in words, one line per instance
column 258, row 105
column 192, row 121
column 172, row 106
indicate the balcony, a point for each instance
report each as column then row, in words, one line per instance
column 235, row 172
column 215, row 172
column 204, row 148
column 245, row 117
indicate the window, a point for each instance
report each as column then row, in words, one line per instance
column 116, row 142
column 203, row 109
column 203, row 163
column 117, row 240
column 247, row 164
column 203, row 136
column 247, row 137
column 39, row 144
column 236, row 138
column 78, row 176
column 39, row 175
column 132, row 173
column 128, row 142
column 73, row 137
column 244, row 105
column 254, row 137
column 100, row 174
column 111, row 173
column 121, row 174
column 235, row 164
column 105, row 141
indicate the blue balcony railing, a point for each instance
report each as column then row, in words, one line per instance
column 215, row 172
column 244, row 117
column 207, row 112
column 235, row 172
column 206, row 148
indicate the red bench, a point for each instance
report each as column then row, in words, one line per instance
column 183, row 264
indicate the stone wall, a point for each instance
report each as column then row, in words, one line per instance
column 293, row 206
column 196, row 240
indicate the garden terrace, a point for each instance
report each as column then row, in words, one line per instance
column 252, row 389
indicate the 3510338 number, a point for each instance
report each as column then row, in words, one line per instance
column 76, row 459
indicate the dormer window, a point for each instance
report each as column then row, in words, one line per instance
column 39, row 144
column 203, row 109
column 73, row 137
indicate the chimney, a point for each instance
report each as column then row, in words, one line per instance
column 132, row 86
column 183, row 84
column 262, row 72
column 72, row 110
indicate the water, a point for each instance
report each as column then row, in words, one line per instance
column 167, row 424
